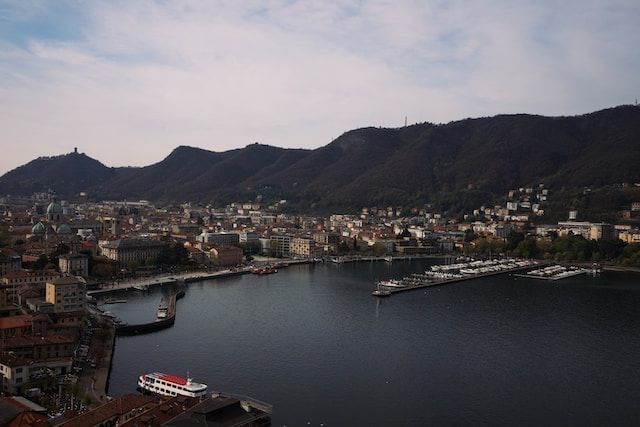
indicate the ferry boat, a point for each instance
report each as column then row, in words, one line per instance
column 170, row 385
column 163, row 310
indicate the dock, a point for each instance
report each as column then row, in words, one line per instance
column 555, row 272
column 443, row 275
column 156, row 325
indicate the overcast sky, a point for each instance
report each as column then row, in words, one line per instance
column 126, row 82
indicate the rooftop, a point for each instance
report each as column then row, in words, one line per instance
column 119, row 406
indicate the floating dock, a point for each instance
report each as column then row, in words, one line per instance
column 554, row 272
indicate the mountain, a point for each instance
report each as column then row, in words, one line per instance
column 67, row 174
column 459, row 164
column 190, row 173
column 481, row 157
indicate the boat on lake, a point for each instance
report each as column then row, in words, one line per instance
column 163, row 310
column 170, row 385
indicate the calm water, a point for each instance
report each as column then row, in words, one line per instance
column 314, row 343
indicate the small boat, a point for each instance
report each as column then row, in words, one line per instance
column 163, row 310
column 115, row 301
column 266, row 270
column 381, row 293
column 141, row 287
column 170, row 385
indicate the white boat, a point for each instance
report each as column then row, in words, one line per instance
column 391, row 283
column 163, row 310
column 170, row 385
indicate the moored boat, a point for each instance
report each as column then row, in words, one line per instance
column 170, row 385
column 265, row 270
column 163, row 310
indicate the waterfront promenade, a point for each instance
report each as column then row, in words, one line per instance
column 175, row 278
column 165, row 279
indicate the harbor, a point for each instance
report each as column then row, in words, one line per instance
column 162, row 322
column 452, row 273
column 319, row 324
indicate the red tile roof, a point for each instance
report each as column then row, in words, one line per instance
column 20, row 321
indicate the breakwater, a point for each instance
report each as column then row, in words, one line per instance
column 157, row 325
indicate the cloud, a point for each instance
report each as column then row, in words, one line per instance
column 135, row 79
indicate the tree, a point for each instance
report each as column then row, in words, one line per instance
column 513, row 239
column 379, row 249
column 469, row 235
column 527, row 249
column 102, row 270
column 133, row 265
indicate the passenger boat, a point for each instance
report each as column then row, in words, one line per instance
column 163, row 310
column 170, row 385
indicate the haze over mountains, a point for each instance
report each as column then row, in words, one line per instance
column 468, row 160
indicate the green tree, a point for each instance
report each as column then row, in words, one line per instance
column 102, row 270
column 513, row 240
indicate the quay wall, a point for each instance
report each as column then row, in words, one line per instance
column 157, row 325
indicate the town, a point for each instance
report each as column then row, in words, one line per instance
column 56, row 344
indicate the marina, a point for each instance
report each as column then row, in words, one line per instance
column 556, row 272
column 450, row 273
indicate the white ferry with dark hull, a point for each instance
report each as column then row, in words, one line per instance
column 170, row 385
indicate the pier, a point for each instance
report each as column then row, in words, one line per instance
column 157, row 325
column 436, row 277
column 556, row 272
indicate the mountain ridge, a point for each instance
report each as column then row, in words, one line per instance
column 367, row 166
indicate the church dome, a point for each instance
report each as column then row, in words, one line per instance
column 54, row 208
column 38, row 229
column 63, row 229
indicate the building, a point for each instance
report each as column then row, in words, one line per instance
column 140, row 250
column 220, row 410
column 16, row 326
column 280, row 245
column 9, row 261
column 588, row 230
column 67, row 294
column 47, row 347
column 629, row 236
column 115, row 412
column 3, row 298
column 74, row 264
column 226, row 256
column 250, row 241
column 16, row 411
column 16, row 280
column 219, row 238
column 18, row 372
column 304, row 247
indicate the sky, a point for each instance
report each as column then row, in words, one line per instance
column 128, row 81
